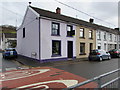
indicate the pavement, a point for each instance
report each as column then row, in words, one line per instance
column 34, row 63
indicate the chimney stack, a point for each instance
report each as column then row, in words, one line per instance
column 116, row 28
column 91, row 20
column 58, row 10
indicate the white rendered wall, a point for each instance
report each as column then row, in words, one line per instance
column 46, row 39
column 102, row 41
column 3, row 42
column 30, row 44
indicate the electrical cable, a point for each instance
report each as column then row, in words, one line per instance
column 83, row 12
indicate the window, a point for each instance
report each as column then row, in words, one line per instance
column 105, row 36
column 99, row 45
column 23, row 32
column 110, row 46
column 99, row 35
column 82, row 48
column 90, row 34
column 110, row 37
column 55, row 28
column 91, row 46
column 115, row 38
column 82, row 32
column 69, row 30
column 115, row 46
column 119, row 38
column 56, row 48
column 105, row 46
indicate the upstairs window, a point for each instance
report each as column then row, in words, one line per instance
column 105, row 36
column 99, row 35
column 69, row 30
column 55, row 28
column 115, row 38
column 23, row 32
column 81, row 32
column 111, row 37
column 90, row 34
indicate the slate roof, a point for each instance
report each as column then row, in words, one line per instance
column 54, row 15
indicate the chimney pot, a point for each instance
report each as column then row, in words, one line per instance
column 91, row 20
column 58, row 10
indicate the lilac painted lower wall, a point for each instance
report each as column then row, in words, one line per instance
column 46, row 60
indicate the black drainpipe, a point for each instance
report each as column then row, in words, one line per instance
column 39, row 40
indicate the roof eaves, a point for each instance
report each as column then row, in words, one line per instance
column 54, row 15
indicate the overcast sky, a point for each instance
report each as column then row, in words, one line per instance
column 105, row 12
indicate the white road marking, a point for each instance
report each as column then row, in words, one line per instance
column 46, row 87
column 22, row 74
column 23, row 67
column 68, row 83
column 2, row 75
column 8, row 69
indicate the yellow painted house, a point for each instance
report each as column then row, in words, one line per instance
column 85, row 41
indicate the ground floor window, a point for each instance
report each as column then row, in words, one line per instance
column 115, row 46
column 99, row 45
column 110, row 46
column 56, row 48
column 82, row 48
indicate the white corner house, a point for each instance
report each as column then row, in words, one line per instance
column 107, row 39
column 46, row 36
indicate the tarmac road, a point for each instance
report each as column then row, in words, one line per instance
column 8, row 64
column 90, row 69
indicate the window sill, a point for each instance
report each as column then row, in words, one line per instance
column 82, row 37
column 82, row 54
column 55, row 55
column 91, row 38
column 99, row 39
column 69, row 36
column 54, row 35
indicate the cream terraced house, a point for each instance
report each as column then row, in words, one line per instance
column 85, row 41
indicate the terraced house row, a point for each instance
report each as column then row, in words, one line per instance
column 49, row 36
